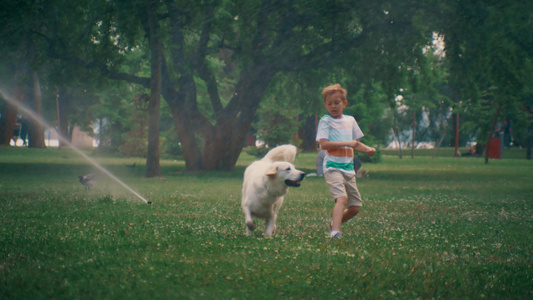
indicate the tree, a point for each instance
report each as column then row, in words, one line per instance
column 489, row 47
column 26, row 26
column 27, row 90
column 8, row 112
column 152, row 158
column 278, row 122
column 220, row 56
column 119, row 108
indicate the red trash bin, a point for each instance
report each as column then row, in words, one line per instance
column 495, row 148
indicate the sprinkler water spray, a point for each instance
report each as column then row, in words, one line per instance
column 43, row 123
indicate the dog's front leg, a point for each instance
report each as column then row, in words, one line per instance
column 271, row 225
column 250, row 224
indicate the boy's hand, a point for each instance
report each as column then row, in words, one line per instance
column 371, row 151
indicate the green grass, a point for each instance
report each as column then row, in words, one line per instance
column 430, row 228
column 512, row 153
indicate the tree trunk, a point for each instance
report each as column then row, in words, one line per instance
column 307, row 134
column 191, row 152
column 223, row 141
column 413, row 136
column 529, row 142
column 62, row 115
column 183, row 121
column 437, row 147
column 491, row 132
column 223, row 147
column 397, row 140
column 8, row 120
column 222, row 150
column 529, row 136
column 36, row 131
column 456, row 126
column 152, row 158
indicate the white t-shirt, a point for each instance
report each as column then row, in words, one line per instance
column 338, row 130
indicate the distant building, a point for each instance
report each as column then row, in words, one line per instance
column 80, row 139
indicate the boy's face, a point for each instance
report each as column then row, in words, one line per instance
column 335, row 105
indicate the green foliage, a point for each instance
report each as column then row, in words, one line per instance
column 367, row 103
column 429, row 228
column 170, row 144
column 114, row 111
column 216, row 51
column 135, row 139
column 256, row 151
column 370, row 141
column 278, row 116
column 490, row 63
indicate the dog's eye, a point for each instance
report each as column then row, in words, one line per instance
column 288, row 169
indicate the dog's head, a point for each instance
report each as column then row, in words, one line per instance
column 287, row 173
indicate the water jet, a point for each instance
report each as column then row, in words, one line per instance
column 30, row 113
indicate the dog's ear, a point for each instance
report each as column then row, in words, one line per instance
column 272, row 171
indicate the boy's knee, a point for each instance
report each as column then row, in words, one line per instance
column 342, row 200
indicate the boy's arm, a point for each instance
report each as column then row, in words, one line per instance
column 355, row 144
column 327, row 145
column 364, row 148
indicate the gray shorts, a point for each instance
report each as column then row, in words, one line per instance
column 343, row 185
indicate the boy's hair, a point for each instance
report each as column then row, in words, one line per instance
column 332, row 89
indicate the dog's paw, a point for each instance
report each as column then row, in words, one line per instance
column 251, row 225
column 270, row 231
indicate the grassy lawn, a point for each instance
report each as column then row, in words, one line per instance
column 512, row 153
column 443, row 228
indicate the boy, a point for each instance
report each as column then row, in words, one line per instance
column 339, row 135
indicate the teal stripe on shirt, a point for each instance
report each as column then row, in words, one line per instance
column 340, row 137
column 338, row 165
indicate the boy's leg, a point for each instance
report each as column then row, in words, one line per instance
column 338, row 213
column 354, row 201
column 349, row 213
column 336, row 183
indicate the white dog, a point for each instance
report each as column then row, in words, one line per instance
column 266, row 182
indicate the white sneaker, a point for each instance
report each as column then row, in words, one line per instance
column 337, row 236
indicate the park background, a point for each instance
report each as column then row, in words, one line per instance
column 177, row 95
column 199, row 80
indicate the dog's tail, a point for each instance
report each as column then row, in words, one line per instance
column 282, row 153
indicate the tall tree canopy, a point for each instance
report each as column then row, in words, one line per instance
column 489, row 47
column 218, row 57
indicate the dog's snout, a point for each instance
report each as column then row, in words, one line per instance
column 302, row 176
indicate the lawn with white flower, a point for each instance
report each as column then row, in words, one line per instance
column 430, row 228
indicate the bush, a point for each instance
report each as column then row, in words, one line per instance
column 171, row 144
column 370, row 141
column 367, row 158
column 276, row 125
column 256, row 151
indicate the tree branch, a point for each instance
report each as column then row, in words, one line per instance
column 186, row 85
column 261, row 40
column 303, row 62
column 104, row 70
column 203, row 69
column 178, row 54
